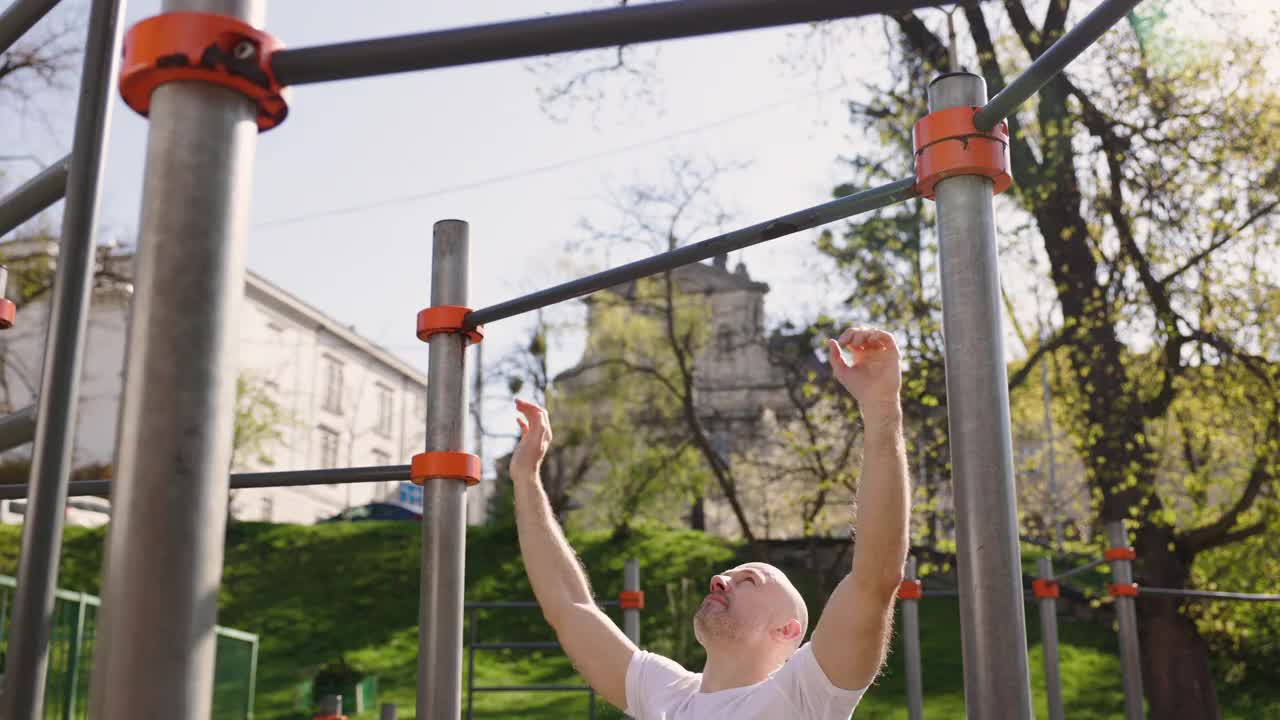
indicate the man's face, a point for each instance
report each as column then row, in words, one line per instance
column 750, row 604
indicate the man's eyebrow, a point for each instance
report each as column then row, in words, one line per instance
column 760, row 577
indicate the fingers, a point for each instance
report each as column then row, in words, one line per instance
column 865, row 338
column 836, row 356
column 532, row 417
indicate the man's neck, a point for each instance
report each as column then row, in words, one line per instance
column 730, row 668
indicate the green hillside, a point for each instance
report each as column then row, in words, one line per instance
column 317, row 594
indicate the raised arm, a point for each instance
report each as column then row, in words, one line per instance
column 594, row 644
column 852, row 636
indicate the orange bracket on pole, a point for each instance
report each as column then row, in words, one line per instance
column 1124, row 553
column 631, row 600
column 1045, row 589
column 447, row 319
column 947, row 144
column 1123, row 590
column 910, row 590
column 202, row 46
column 8, row 313
column 445, row 465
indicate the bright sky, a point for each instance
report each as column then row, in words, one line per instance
column 330, row 222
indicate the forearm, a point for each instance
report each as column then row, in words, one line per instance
column 883, row 511
column 554, row 573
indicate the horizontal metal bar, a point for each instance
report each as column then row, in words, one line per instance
column 529, row 688
column 1052, row 61
column 812, row 217
column 239, row 481
column 20, row 17
column 1208, row 594
column 1077, row 570
column 532, row 645
column 571, row 32
column 17, row 428
column 33, row 196
column 498, row 604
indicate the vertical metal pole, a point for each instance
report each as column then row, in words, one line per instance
column 631, row 583
column 163, row 562
column 1052, row 461
column 73, row 660
column 253, row 677
column 471, row 664
column 911, row 649
column 444, row 509
column 28, row 655
column 591, row 703
column 1049, row 644
column 331, row 705
column 993, row 628
column 387, row 712
column 1127, row 617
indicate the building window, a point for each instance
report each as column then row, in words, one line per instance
column 381, row 459
column 328, row 448
column 332, row 385
column 724, row 340
column 386, row 405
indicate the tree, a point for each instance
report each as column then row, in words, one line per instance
column 1153, row 193
column 259, row 425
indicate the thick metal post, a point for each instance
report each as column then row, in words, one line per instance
column 631, row 583
column 444, row 509
column 1052, row 460
column 27, row 660
column 33, row 196
column 1127, row 618
column 331, row 705
column 387, row 711
column 911, row 649
column 1049, row 644
column 163, row 565
column 993, row 628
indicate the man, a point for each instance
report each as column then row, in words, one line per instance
column 753, row 622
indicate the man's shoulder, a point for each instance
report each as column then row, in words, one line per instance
column 651, row 663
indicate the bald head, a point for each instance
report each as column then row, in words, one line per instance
column 752, row 607
column 788, row 605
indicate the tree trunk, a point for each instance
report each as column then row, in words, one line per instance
column 1176, row 677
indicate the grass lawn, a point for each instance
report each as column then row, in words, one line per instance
column 319, row 593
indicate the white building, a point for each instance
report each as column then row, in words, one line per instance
column 347, row 401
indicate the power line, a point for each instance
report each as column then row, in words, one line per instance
column 539, row 169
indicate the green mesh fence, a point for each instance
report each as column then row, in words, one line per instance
column 66, row 694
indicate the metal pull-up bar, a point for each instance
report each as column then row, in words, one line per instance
column 1053, row 60
column 781, row 226
column 20, row 17
column 32, row 197
column 242, row 481
column 589, row 30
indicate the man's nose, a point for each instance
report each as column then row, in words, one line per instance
column 720, row 583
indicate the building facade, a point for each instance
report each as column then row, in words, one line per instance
column 338, row 399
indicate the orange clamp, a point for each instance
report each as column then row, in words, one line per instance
column 947, row 143
column 447, row 319
column 631, row 600
column 1123, row 590
column 8, row 313
column 910, row 590
column 445, row 465
column 1045, row 589
column 1123, row 553
column 202, row 46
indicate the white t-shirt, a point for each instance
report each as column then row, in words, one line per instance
column 660, row 689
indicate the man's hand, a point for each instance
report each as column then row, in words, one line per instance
column 874, row 377
column 535, row 438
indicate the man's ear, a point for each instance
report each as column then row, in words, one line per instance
column 790, row 631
